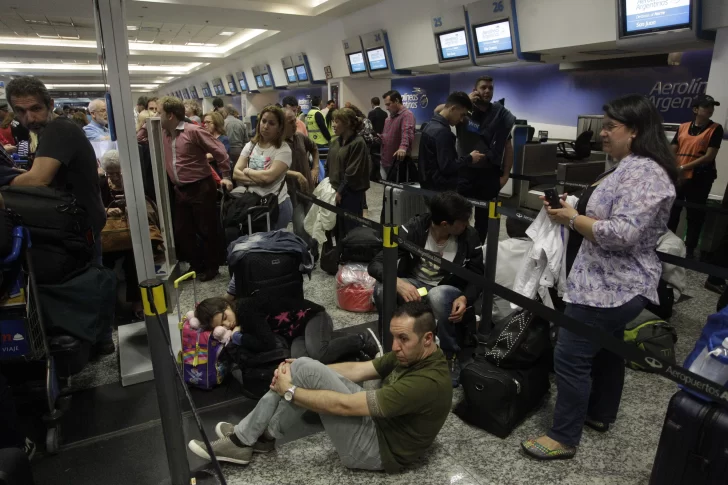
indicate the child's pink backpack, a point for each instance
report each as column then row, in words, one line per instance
column 201, row 363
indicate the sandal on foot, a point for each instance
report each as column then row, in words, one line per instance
column 540, row 452
column 597, row 425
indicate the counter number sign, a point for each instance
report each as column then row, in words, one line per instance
column 498, row 6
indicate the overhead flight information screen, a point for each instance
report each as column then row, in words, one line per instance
column 493, row 38
column 291, row 74
column 642, row 16
column 266, row 80
column 453, row 45
column 377, row 59
column 356, row 61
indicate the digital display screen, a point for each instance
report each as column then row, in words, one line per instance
column 186, row 93
column 193, row 91
column 493, row 38
column 259, row 81
column 377, row 59
column 453, row 45
column 640, row 16
column 266, row 80
column 243, row 85
column 232, row 87
column 356, row 61
column 301, row 73
column 291, row 74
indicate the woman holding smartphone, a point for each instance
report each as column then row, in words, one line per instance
column 616, row 270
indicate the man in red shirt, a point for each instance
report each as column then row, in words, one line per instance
column 185, row 158
column 399, row 132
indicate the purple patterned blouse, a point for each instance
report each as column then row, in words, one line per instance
column 631, row 207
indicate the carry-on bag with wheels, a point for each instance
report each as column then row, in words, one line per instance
column 261, row 274
column 406, row 205
column 497, row 399
column 693, row 447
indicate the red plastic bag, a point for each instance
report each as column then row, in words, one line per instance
column 354, row 288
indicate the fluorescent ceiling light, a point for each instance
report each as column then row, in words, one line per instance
column 226, row 33
column 180, row 69
column 97, row 86
column 132, row 27
column 194, row 43
column 144, row 41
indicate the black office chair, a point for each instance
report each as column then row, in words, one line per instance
column 577, row 150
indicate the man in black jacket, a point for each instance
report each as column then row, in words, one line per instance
column 445, row 232
column 438, row 160
column 377, row 116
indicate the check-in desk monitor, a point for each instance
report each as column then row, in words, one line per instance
column 231, row 83
column 377, row 59
column 493, row 38
column 186, row 93
column 267, row 80
column 356, row 62
column 453, row 40
column 650, row 25
column 206, row 92
column 242, row 81
column 219, row 88
column 453, row 45
column 301, row 73
column 291, row 75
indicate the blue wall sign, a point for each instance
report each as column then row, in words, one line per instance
column 13, row 339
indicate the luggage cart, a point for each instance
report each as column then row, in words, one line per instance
column 21, row 318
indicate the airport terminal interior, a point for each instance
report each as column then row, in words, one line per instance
column 232, row 138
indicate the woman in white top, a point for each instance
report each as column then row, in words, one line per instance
column 264, row 162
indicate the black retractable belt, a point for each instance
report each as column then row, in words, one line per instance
column 631, row 353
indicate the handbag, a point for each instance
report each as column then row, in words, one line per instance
column 330, row 255
column 518, row 341
column 654, row 336
column 116, row 235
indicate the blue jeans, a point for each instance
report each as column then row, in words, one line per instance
column 589, row 379
column 440, row 299
column 285, row 214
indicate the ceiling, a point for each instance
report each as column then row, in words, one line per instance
column 56, row 40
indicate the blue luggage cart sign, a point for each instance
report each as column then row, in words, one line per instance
column 14, row 339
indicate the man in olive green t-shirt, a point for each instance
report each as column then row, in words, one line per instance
column 384, row 429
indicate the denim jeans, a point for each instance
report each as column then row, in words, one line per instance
column 354, row 437
column 285, row 214
column 589, row 379
column 440, row 299
column 300, row 209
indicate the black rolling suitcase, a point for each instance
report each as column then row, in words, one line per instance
column 497, row 399
column 262, row 274
column 693, row 446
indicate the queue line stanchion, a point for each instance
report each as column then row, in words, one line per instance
column 165, row 381
column 389, row 275
column 491, row 259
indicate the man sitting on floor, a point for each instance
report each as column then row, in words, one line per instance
column 384, row 429
column 445, row 232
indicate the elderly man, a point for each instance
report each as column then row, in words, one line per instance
column 185, row 150
column 237, row 133
column 384, row 429
column 97, row 129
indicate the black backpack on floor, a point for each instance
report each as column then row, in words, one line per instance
column 60, row 230
column 261, row 274
column 257, row 368
column 517, row 341
column 360, row 245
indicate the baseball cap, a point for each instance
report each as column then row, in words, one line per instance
column 705, row 100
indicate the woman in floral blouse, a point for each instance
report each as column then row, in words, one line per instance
column 616, row 271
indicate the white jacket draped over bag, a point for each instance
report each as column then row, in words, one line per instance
column 319, row 220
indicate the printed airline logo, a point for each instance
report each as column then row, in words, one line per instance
column 415, row 100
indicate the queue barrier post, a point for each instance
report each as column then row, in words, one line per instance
column 390, row 232
column 165, row 381
column 491, row 259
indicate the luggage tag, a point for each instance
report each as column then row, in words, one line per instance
column 422, row 291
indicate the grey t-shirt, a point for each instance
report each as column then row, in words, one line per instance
column 63, row 140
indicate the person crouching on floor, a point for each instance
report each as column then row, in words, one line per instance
column 384, row 429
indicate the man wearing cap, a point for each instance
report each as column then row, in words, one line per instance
column 696, row 145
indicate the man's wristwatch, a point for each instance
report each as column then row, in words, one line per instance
column 288, row 396
column 572, row 220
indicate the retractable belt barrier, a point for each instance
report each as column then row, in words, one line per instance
column 631, row 353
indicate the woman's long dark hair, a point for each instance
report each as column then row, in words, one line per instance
column 638, row 113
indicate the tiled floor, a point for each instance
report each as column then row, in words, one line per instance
column 466, row 455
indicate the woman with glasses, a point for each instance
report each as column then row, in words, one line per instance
column 618, row 221
column 215, row 125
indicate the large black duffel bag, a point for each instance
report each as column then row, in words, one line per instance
column 360, row 245
column 60, row 230
column 497, row 399
column 518, row 341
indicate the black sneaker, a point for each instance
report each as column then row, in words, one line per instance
column 29, row 448
column 597, row 425
column 371, row 348
column 455, row 369
column 690, row 253
column 314, row 248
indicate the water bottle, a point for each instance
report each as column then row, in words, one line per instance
column 713, row 364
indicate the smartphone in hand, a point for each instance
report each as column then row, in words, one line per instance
column 552, row 197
